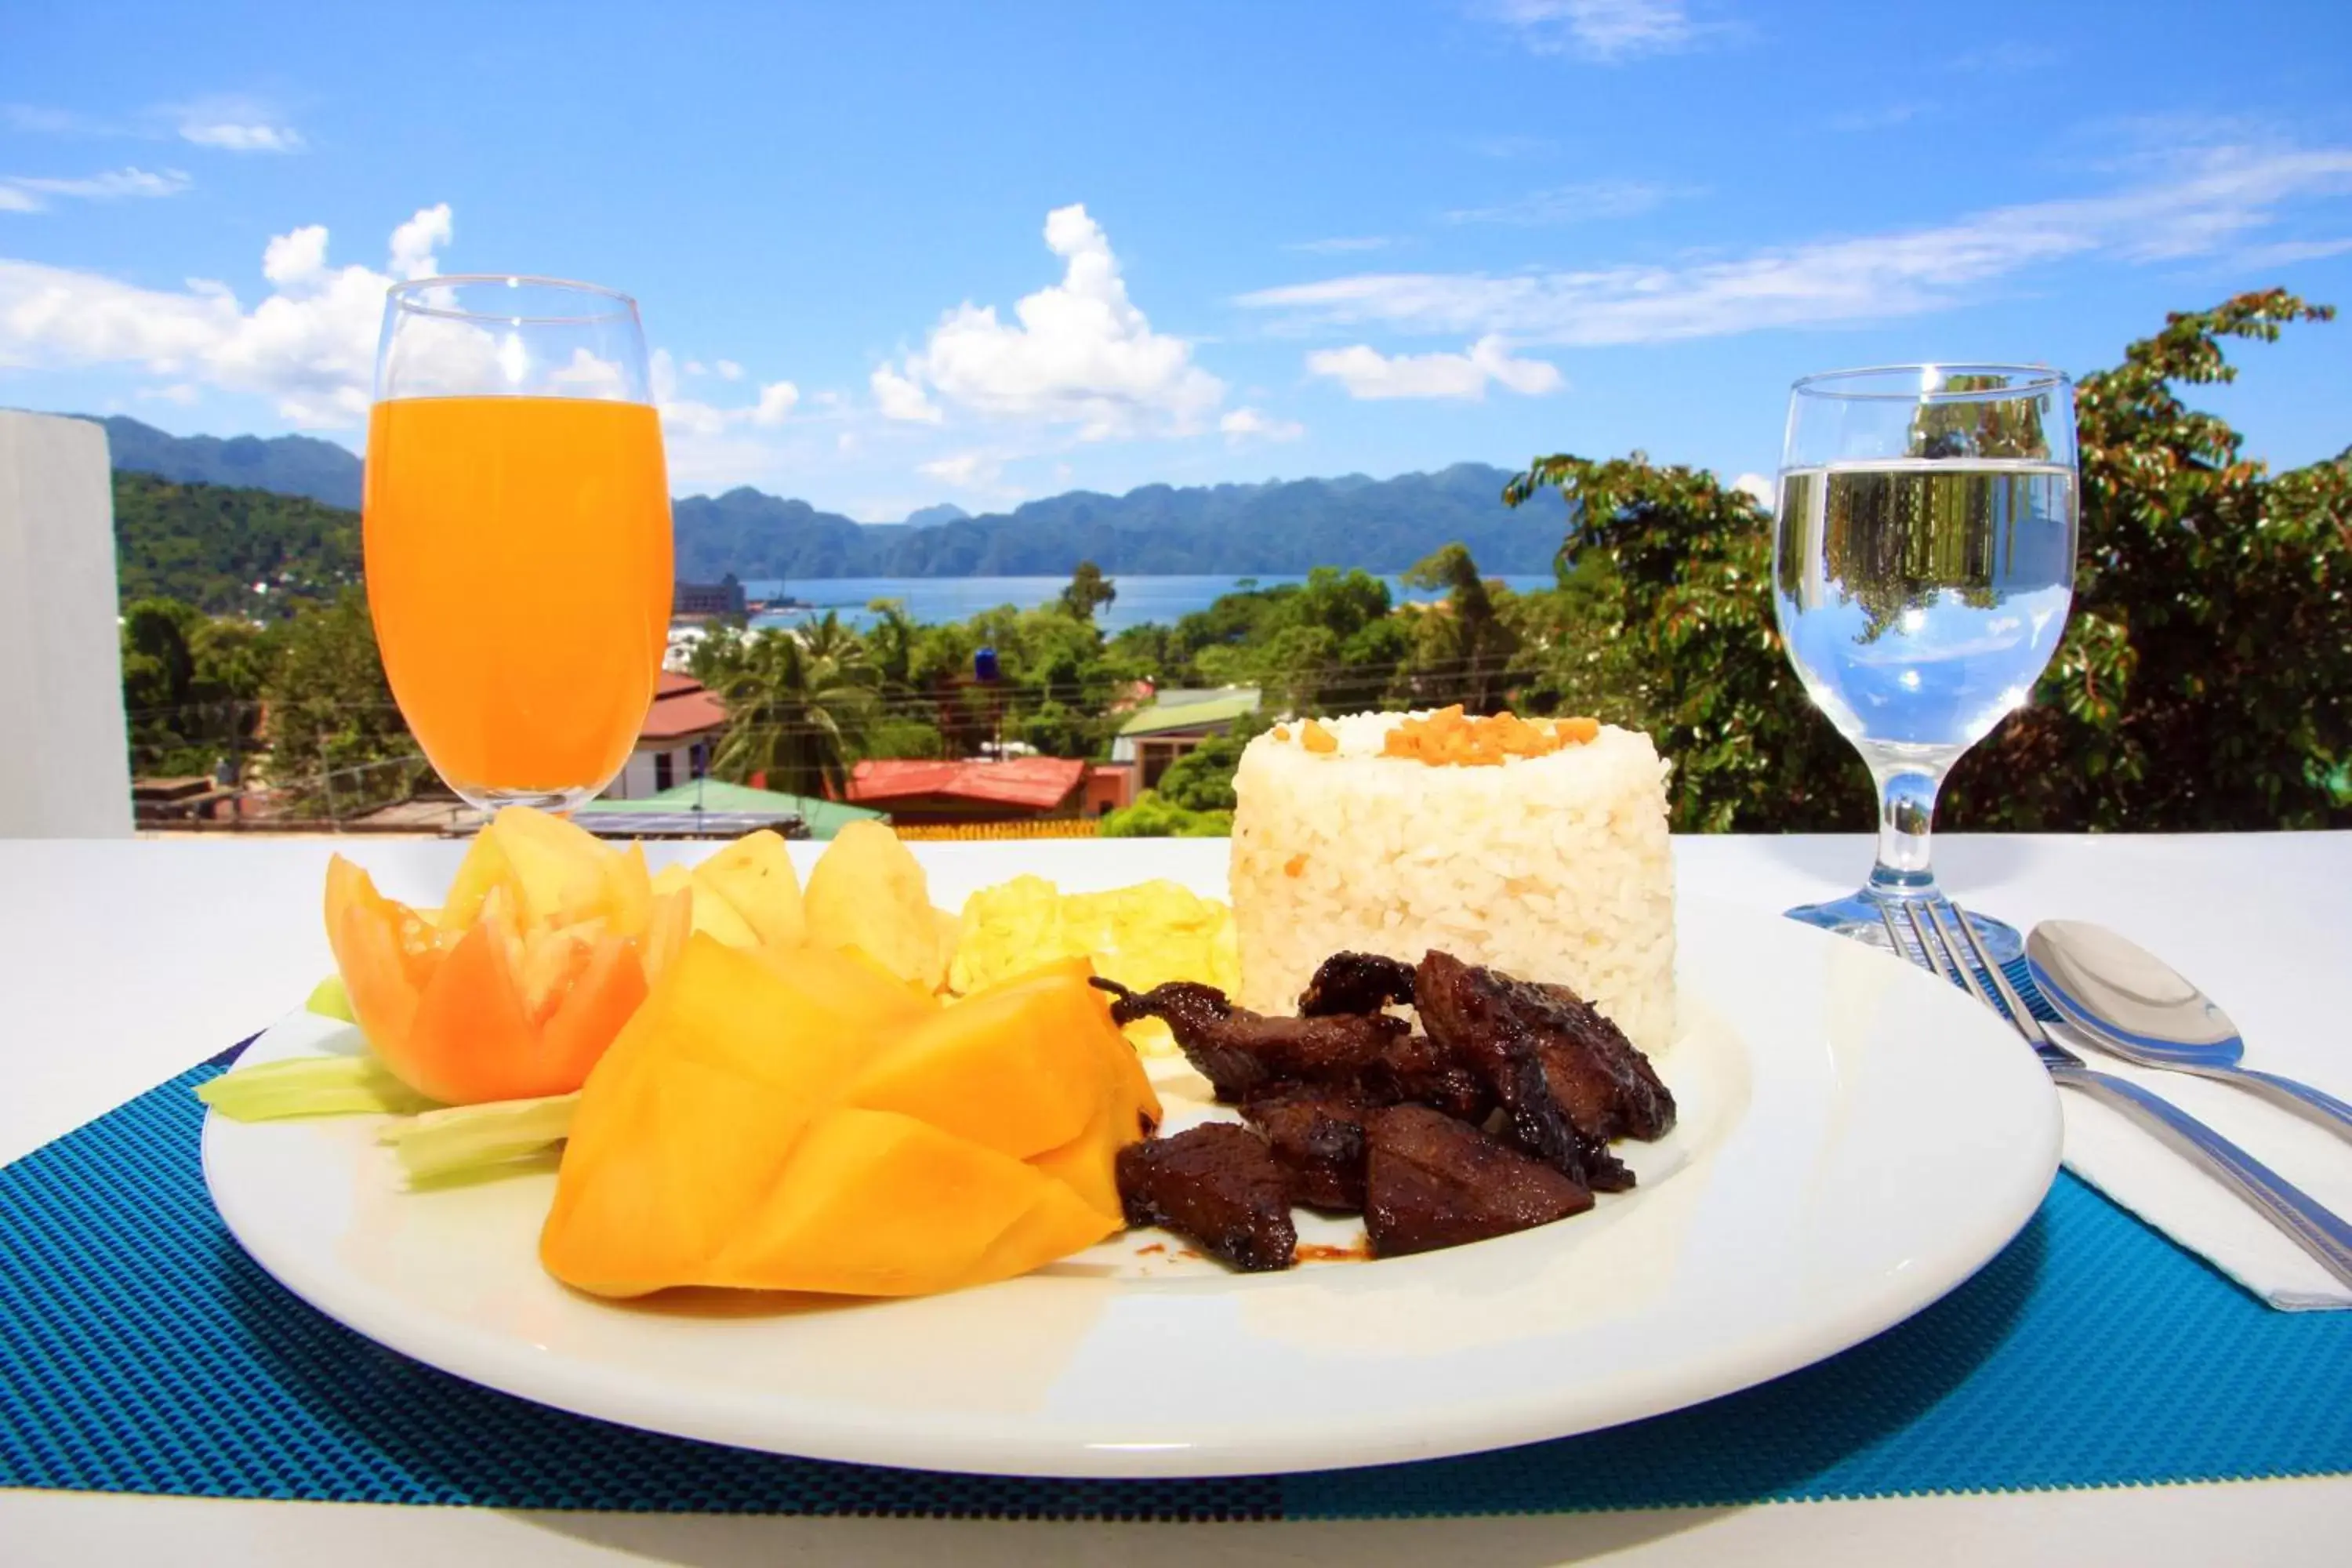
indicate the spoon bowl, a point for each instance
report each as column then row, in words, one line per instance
column 2131, row 1003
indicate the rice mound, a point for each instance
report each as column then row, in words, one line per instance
column 1557, row 868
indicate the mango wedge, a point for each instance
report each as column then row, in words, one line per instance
column 806, row 1119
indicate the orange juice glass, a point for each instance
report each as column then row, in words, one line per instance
column 517, row 532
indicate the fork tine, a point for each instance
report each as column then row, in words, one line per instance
column 1967, row 971
column 1932, row 954
column 2019, row 1012
column 1894, row 936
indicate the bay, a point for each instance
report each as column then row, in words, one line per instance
column 1142, row 599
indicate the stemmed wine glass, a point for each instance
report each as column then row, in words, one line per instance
column 516, row 532
column 1923, row 567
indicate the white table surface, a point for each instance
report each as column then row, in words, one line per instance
column 122, row 962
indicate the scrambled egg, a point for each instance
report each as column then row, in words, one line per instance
column 1138, row 936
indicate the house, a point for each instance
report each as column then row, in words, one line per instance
column 1177, row 722
column 675, row 743
column 919, row 792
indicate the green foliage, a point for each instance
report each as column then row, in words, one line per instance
column 1155, row 817
column 209, row 545
column 899, row 735
column 797, row 703
column 1089, row 591
column 337, row 742
column 1696, row 659
column 1464, row 647
column 191, row 688
column 2205, row 681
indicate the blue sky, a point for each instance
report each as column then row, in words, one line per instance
column 891, row 255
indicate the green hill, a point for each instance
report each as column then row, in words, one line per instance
column 209, row 545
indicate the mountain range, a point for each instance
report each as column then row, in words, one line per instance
column 1279, row 526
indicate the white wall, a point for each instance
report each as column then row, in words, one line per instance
column 636, row 778
column 65, row 765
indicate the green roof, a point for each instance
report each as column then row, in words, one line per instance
column 1157, row 720
column 824, row 817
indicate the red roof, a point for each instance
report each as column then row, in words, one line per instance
column 682, row 709
column 1040, row 783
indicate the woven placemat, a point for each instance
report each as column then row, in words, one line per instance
column 141, row 1351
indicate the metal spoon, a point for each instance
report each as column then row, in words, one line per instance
column 2126, row 1000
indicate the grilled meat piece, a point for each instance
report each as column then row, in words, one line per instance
column 1218, row 1185
column 1432, row 1182
column 1241, row 1052
column 1356, row 982
column 1568, row 1079
column 1418, row 1070
column 1318, row 1139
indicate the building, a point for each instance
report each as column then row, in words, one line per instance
column 675, row 743
column 918, row 793
column 1177, row 722
column 724, row 598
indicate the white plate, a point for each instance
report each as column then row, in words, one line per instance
column 1857, row 1138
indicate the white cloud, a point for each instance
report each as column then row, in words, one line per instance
column 692, row 416
column 730, row 371
column 27, row 193
column 775, row 404
column 179, row 392
column 1581, row 203
column 1887, row 119
column 1242, row 426
column 2286, row 253
column 1757, row 488
column 2214, row 196
column 1078, row 353
column 1366, row 372
column 902, row 397
column 1606, row 31
column 308, row 345
column 694, row 367
column 414, row 243
column 234, row 125
column 965, row 470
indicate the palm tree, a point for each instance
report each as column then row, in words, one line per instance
column 792, row 711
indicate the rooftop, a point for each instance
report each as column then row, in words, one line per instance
column 1206, row 711
column 681, row 710
column 715, row 797
column 1039, row 784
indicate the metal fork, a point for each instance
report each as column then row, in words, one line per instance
column 2312, row 1226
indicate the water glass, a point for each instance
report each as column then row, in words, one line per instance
column 1923, row 568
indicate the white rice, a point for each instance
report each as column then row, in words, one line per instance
column 1555, row 868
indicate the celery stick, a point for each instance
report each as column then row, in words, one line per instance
column 471, row 1139
column 329, row 1000
column 310, row 1086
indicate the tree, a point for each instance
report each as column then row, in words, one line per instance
column 2205, row 680
column 337, row 740
column 190, row 687
column 1465, row 646
column 1154, row 816
column 793, row 714
column 1089, row 591
column 1686, row 583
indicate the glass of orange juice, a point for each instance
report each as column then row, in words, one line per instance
column 516, row 532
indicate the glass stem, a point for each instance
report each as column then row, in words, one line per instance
column 1906, row 817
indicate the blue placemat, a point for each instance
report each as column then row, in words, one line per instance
column 141, row 1351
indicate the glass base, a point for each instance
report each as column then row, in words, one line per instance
column 488, row 801
column 1857, row 916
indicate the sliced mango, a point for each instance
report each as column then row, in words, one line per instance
column 804, row 1120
